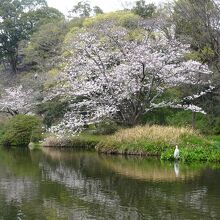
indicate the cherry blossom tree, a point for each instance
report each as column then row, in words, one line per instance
column 17, row 100
column 120, row 73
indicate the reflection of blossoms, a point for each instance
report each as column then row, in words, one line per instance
column 17, row 189
column 112, row 74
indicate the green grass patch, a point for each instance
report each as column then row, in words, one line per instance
column 161, row 141
column 194, row 154
column 3, row 126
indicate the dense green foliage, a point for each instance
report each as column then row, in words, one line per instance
column 45, row 46
column 19, row 19
column 206, row 124
column 21, row 130
column 196, row 23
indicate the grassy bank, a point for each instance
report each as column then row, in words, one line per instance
column 82, row 141
column 147, row 141
column 153, row 141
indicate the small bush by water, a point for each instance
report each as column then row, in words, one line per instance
column 21, row 130
column 3, row 125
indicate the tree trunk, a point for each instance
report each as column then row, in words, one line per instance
column 193, row 120
column 13, row 63
column 3, row 62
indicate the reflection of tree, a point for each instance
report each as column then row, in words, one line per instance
column 19, row 162
column 114, row 193
column 17, row 184
column 77, row 185
column 17, row 189
column 88, row 191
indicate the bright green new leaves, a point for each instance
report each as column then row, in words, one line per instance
column 45, row 45
column 21, row 129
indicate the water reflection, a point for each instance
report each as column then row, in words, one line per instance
column 17, row 189
column 177, row 169
column 84, row 185
column 151, row 169
column 134, row 167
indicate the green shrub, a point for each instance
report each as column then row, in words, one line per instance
column 3, row 124
column 22, row 129
column 195, row 153
column 206, row 124
column 216, row 125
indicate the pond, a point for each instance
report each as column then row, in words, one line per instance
column 56, row 185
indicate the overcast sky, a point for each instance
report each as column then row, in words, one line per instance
column 106, row 5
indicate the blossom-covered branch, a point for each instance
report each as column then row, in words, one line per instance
column 16, row 100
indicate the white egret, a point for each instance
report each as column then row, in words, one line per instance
column 176, row 153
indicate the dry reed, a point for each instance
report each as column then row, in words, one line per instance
column 155, row 133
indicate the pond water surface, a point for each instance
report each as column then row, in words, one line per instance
column 57, row 185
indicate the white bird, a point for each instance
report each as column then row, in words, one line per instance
column 176, row 153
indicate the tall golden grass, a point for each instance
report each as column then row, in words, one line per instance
column 154, row 133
